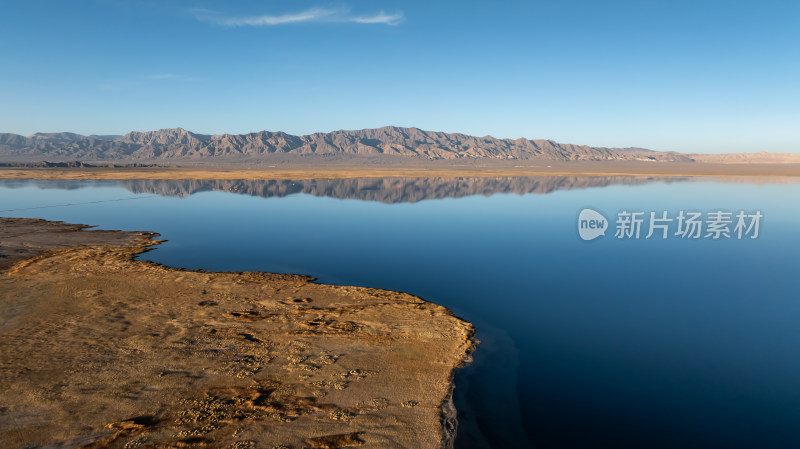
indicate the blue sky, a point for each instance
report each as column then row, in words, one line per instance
column 705, row 76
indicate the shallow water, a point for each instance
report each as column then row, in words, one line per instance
column 605, row 344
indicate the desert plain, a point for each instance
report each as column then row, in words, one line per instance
column 101, row 350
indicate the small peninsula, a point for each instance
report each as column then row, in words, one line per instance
column 102, row 350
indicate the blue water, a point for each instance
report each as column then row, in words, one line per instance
column 602, row 344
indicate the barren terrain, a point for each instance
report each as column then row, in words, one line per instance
column 100, row 350
column 343, row 170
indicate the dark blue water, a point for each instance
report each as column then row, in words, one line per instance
column 603, row 344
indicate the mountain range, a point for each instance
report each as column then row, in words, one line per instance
column 181, row 145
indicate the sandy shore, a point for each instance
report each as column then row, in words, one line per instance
column 99, row 350
column 336, row 171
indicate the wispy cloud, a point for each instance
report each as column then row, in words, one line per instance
column 381, row 17
column 319, row 15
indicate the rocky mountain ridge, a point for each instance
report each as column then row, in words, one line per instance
column 180, row 144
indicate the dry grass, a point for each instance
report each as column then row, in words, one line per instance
column 100, row 350
column 440, row 170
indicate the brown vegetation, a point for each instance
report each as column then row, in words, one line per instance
column 99, row 350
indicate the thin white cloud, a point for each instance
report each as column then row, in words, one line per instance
column 318, row 15
column 381, row 17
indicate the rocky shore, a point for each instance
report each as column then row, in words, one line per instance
column 101, row 350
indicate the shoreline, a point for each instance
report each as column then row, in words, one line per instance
column 340, row 385
column 338, row 171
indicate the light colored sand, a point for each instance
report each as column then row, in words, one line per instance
column 99, row 350
column 437, row 170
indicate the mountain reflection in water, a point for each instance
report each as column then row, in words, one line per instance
column 384, row 190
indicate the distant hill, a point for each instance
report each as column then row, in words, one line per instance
column 178, row 144
column 748, row 158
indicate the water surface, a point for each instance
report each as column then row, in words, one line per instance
column 602, row 344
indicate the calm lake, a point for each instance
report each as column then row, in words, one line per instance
column 609, row 343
